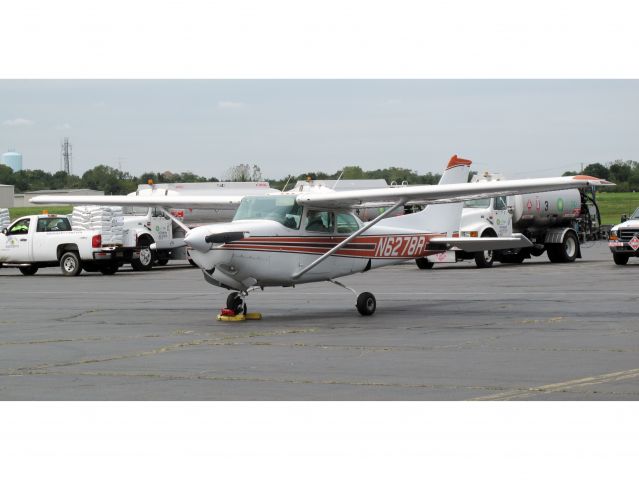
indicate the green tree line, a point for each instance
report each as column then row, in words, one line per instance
column 112, row 181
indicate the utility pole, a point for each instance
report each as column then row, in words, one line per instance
column 66, row 156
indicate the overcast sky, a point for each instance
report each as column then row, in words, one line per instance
column 516, row 127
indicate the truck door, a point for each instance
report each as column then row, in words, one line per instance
column 502, row 218
column 18, row 243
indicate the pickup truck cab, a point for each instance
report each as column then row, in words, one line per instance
column 624, row 239
column 37, row 241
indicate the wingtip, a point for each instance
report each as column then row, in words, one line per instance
column 593, row 180
column 455, row 161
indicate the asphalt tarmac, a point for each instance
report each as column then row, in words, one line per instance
column 535, row 331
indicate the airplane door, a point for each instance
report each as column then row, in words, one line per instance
column 18, row 241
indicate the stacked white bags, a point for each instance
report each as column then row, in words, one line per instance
column 5, row 220
column 109, row 221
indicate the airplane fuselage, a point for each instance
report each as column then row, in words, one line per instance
column 271, row 254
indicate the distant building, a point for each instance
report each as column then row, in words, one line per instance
column 6, row 196
column 24, row 199
column 13, row 160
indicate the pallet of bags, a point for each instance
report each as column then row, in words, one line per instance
column 109, row 221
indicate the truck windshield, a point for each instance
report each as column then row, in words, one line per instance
column 279, row 208
column 479, row 203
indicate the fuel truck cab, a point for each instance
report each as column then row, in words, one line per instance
column 624, row 239
column 555, row 222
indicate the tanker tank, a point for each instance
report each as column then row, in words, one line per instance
column 545, row 209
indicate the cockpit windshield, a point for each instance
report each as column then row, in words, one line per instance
column 279, row 208
column 478, row 203
column 636, row 214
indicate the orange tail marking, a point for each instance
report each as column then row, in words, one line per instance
column 455, row 161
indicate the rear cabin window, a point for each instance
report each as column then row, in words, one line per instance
column 346, row 223
column 54, row 225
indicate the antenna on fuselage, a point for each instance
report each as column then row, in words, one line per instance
column 288, row 179
column 338, row 179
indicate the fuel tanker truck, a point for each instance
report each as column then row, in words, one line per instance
column 556, row 223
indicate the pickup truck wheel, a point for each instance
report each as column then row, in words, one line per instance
column 70, row 264
column 620, row 258
column 145, row 262
column 28, row 271
column 109, row 269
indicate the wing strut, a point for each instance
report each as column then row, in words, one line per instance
column 354, row 235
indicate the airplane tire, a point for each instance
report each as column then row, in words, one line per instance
column 235, row 302
column 620, row 258
column 423, row 263
column 366, row 304
column 28, row 271
column 70, row 264
column 162, row 261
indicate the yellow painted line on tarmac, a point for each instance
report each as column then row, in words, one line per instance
column 518, row 394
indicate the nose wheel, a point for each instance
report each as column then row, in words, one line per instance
column 236, row 302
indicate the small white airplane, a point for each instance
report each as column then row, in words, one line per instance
column 296, row 237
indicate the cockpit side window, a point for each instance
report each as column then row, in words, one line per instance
column 279, row 208
column 319, row 221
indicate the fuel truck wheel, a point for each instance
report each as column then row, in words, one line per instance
column 564, row 252
column 70, row 264
column 620, row 258
column 485, row 259
column 28, row 271
column 423, row 263
column 366, row 304
column 235, row 302
column 145, row 262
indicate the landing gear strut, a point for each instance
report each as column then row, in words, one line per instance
column 235, row 302
column 366, row 303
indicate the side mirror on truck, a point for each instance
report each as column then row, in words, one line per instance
column 5, row 231
column 624, row 217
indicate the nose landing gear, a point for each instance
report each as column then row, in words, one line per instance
column 236, row 310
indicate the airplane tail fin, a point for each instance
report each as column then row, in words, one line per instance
column 440, row 218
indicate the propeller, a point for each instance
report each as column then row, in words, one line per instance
column 201, row 238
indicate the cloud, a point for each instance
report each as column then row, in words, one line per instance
column 64, row 126
column 229, row 105
column 391, row 101
column 18, row 122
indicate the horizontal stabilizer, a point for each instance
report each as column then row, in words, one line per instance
column 485, row 243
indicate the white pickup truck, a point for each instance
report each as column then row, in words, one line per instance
column 37, row 241
column 624, row 239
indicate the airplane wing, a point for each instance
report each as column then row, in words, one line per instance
column 449, row 193
column 220, row 202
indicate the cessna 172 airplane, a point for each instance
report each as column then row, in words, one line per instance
column 294, row 237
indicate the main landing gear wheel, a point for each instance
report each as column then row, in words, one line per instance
column 236, row 303
column 366, row 304
column 423, row 263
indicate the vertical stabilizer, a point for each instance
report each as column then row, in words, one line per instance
column 441, row 218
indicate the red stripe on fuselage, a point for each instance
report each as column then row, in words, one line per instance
column 404, row 246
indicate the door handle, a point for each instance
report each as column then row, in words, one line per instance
column 23, row 239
